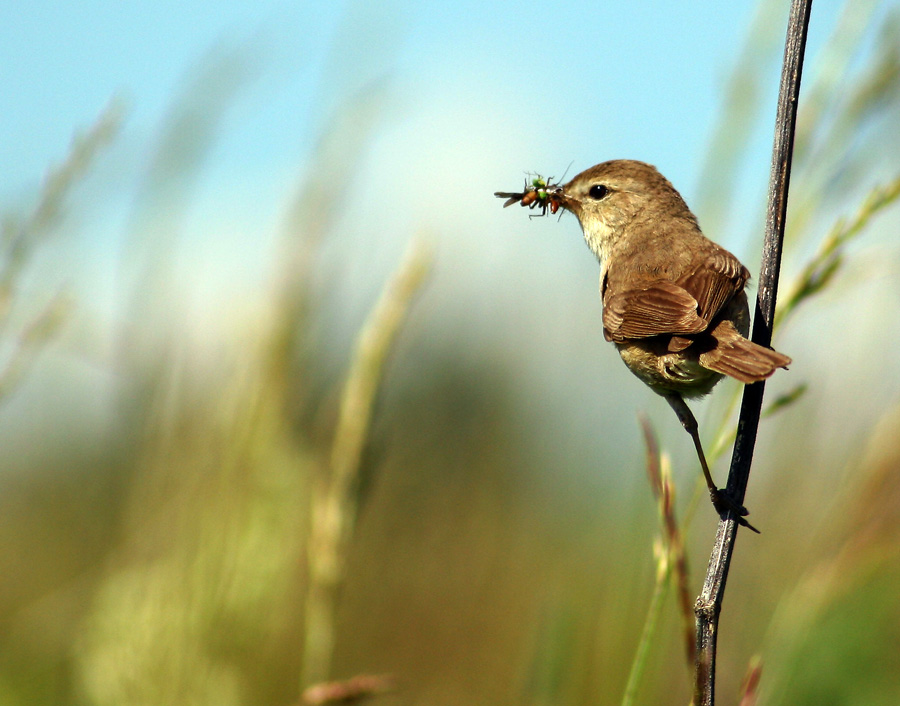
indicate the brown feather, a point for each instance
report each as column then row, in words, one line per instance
column 678, row 343
column 739, row 358
column 658, row 309
column 715, row 282
column 686, row 304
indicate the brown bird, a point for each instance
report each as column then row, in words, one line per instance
column 673, row 301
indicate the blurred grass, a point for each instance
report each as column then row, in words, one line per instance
column 23, row 234
column 171, row 566
column 671, row 567
column 336, row 496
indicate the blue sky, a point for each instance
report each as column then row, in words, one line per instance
column 475, row 94
column 638, row 79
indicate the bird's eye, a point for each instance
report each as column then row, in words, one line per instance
column 598, row 191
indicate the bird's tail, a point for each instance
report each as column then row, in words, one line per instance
column 735, row 356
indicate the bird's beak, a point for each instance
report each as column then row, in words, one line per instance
column 567, row 202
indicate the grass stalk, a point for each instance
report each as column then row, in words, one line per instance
column 335, row 500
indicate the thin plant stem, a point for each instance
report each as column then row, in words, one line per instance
column 21, row 236
column 822, row 267
column 335, row 498
column 671, row 565
column 639, row 663
column 709, row 603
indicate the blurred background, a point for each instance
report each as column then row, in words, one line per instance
column 210, row 494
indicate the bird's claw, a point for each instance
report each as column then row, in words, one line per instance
column 724, row 503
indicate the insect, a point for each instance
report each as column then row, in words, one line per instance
column 540, row 193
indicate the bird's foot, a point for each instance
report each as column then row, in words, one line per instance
column 724, row 503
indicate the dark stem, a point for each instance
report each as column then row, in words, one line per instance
column 709, row 602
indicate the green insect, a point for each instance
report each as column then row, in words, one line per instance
column 540, row 193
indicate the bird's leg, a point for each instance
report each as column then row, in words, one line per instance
column 721, row 501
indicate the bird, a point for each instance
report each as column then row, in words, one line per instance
column 673, row 301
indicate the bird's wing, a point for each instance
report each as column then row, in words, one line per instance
column 659, row 308
column 714, row 283
column 684, row 306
